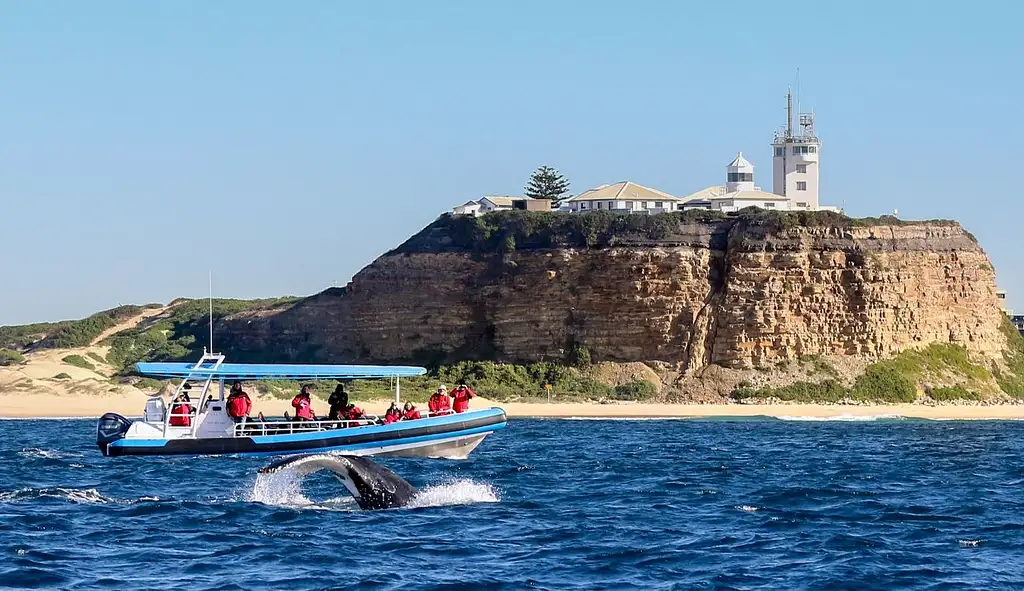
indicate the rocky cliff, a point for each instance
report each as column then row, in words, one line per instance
column 687, row 290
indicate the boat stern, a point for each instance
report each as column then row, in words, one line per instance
column 110, row 428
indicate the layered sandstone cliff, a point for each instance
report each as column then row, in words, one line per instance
column 738, row 292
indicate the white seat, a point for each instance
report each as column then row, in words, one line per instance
column 155, row 409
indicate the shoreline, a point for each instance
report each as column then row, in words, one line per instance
column 42, row 406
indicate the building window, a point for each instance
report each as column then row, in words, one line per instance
column 769, row 204
column 812, row 149
column 801, row 204
column 801, row 186
column 644, row 205
column 629, row 205
column 659, row 204
column 804, row 150
column 801, row 168
column 780, row 151
column 600, row 204
column 741, row 177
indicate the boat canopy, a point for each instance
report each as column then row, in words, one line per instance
column 269, row 371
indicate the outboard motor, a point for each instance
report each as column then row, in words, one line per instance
column 110, row 428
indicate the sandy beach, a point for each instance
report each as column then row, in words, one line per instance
column 131, row 404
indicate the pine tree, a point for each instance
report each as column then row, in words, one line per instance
column 547, row 183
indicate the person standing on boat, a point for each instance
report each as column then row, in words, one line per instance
column 239, row 403
column 338, row 402
column 462, row 394
column 439, row 401
column 303, row 405
column 181, row 410
column 411, row 413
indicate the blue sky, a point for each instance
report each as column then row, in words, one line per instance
column 285, row 145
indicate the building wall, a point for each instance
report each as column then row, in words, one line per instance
column 787, row 175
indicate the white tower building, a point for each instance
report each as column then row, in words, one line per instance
column 795, row 165
column 739, row 175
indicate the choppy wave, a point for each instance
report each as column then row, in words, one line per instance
column 745, row 504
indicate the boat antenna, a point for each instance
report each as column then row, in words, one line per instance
column 211, row 312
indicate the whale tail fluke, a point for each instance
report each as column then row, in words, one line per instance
column 373, row 486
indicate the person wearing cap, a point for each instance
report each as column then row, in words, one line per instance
column 181, row 409
column 462, row 395
column 439, row 402
column 239, row 403
column 410, row 414
column 303, row 405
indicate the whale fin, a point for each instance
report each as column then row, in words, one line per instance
column 373, row 486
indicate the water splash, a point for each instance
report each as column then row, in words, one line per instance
column 457, row 492
column 746, row 508
column 282, row 489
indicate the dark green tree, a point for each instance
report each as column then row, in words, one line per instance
column 547, row 183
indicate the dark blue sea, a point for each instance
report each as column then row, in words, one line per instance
column 545, row 504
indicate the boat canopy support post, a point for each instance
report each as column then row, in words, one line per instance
column 398, row 391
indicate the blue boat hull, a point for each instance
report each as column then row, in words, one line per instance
column 404, row 434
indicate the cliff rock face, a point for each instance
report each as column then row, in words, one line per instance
column 734, row 292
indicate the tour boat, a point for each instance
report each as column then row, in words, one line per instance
column 212, row 431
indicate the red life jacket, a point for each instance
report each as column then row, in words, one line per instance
column 239, row 405
column 184, row 418
column 411, row 415
column 437, row 402
column 353, row 413
column 462, row 396
column 303, row 408
column 392, row 417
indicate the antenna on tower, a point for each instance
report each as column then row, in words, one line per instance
column 789, row 112
column 211, row 311
column 798, row 105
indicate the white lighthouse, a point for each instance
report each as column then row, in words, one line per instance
column 739, row 175
column 795, row 165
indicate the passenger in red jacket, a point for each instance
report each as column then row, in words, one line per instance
column 462, row 394
column 181, row 410
column 393, row 415
column 411, row 414
column 239, row 403
column 303, row 405
column 439, row 401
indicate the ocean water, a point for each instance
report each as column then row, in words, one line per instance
column 545, row 504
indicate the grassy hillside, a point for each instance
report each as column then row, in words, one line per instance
column 66, row 334
column 178, row 335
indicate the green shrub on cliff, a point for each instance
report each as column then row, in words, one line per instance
column 10, row 357
column 80, row 333
column 826, row 391
column 1011, row 377
column 882, row 382
column 948, row 394
column 636, row 390
column 79, row 361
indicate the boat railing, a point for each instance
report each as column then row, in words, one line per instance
column 252, row 427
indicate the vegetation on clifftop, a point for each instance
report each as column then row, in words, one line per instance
column 507, row 231
column 66, row 334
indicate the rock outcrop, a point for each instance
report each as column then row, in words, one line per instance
column 738, row 292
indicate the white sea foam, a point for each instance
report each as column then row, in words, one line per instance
column 456, row 492
column 842, row 418
column 49, row 454
column 73, row 495
column 968, row 543
column 622, row 418
column 746, row 508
